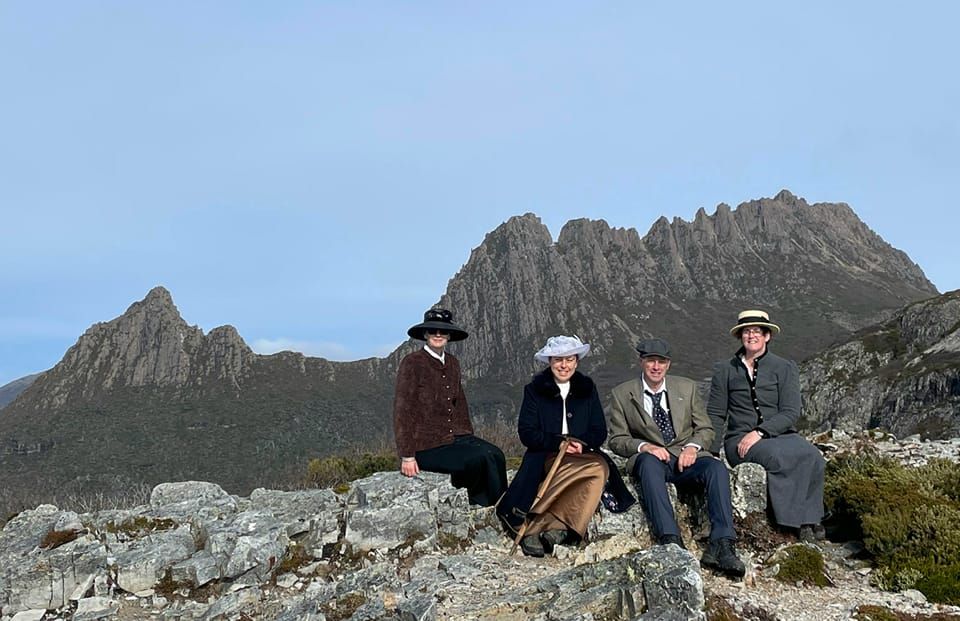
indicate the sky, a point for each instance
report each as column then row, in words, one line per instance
column 314, row 173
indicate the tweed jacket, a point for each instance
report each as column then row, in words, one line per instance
column 429, row 407
column 540, row 428
column 731, row 408
column 631, row 423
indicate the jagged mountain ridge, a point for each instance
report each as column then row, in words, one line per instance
column 902, row 375
column 817, row 268
column 150, row 398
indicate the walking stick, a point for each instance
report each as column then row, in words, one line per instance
column 541, row 491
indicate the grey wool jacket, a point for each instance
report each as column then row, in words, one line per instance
column 731, row 407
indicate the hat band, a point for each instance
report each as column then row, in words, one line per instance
column 752, row 320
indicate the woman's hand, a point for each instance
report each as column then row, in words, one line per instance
column 574, row 448
column 747, row 442
column 409, row 467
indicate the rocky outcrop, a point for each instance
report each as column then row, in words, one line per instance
column 396, row 548
column 902, row 375
column 390, row 547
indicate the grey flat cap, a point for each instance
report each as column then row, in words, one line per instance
column 654, row 347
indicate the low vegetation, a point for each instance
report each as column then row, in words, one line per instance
column 802, row 564
column 908, row 519
column 338, row 470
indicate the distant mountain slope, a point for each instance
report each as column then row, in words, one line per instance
column 148, row 398
column 9, row 392
column 902, row 375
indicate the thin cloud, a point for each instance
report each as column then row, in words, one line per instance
column 318, row 349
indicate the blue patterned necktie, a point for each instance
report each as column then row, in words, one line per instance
column 661, row 417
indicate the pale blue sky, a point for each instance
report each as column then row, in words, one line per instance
column 315, row 172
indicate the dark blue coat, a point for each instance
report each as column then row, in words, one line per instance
column 539, row 427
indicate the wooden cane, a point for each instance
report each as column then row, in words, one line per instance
column 541, row 491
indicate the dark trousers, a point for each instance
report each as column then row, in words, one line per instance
column 471, row 463
column 652, row 475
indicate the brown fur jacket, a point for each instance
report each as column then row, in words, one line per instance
column 429, row 407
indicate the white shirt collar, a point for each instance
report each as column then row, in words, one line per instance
column 441, row 357
column 646, row 387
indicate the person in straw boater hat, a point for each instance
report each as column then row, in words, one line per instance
column 754, row 405
column 431, row 423
column 560, row 403
column 661, row 425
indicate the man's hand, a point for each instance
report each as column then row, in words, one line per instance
column 687, row 456
column 747, row 442
column 409, row 467
column 574, row 448
column 657, row 451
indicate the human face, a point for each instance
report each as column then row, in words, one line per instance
column 563, row 367
column 654, row 370
column 436, row 339
column 754, row 339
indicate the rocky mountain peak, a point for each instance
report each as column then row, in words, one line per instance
column 149, row 345
column 159, row 297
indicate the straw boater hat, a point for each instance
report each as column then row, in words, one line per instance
column 560, row 346
column 437, row 319
column 754, row 318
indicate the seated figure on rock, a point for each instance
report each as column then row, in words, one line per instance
column 561, row 403
column 431, row 423
column 661, row 425
column 754, row 406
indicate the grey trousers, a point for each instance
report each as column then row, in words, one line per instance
column 794, row 476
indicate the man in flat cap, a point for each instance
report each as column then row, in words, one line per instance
column 430, row 419
column 661, row 424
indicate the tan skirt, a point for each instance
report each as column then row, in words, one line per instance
column 573, row 495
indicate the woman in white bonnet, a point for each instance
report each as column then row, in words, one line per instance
column 561, row 402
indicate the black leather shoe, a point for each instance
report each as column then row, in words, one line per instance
column 551, row 538
column 722, row 556
column 812, row 533
column 663, row 540
column 531, row 546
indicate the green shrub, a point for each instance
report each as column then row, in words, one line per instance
column 908, row 518
column 942, row 584
column 802, row 563
column 337, row 470
column 874, row 613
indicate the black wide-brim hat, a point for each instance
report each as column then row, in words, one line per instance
column 437, row 319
